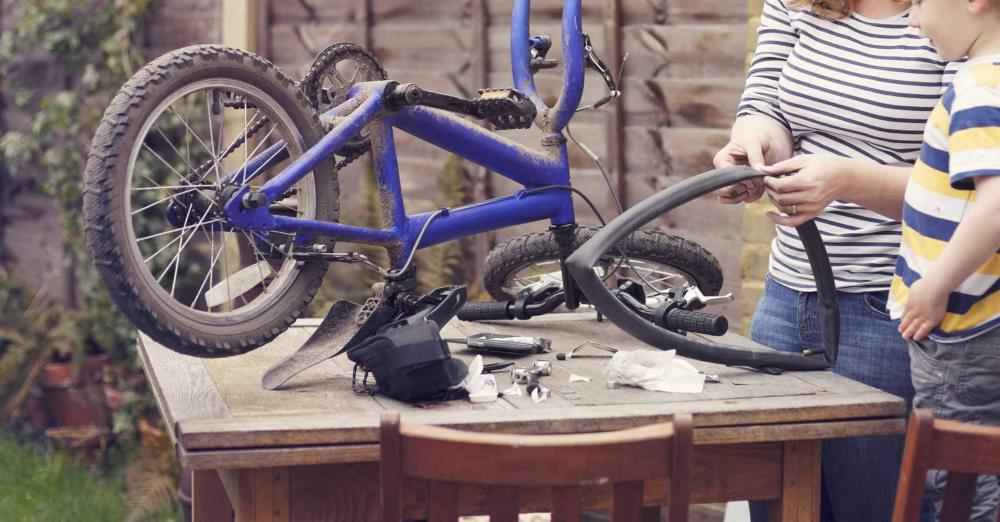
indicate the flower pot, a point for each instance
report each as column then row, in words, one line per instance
column 73, row 399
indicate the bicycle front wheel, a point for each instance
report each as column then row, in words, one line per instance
column 172, row 147
column 658, row 261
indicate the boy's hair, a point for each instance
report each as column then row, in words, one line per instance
column 830, row 9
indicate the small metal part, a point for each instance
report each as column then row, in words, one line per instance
column 254, row 200
column 542, row 367
column 562, row 356
column 319, row 248
column 520, row 375
column 538, row 392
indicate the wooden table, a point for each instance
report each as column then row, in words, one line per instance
column 310, row 451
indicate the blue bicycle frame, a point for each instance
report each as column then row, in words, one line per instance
column 366, row 106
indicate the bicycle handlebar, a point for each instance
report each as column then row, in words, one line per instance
column 554, row 119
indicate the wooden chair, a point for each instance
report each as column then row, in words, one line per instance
column 964, row 450
column 566, row 463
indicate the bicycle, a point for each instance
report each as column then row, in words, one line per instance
column 215, row 257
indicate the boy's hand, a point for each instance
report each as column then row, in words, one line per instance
column 925, row 308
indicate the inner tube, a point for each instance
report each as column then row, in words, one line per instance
column 581, row 267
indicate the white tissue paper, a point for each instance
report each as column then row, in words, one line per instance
column 482, row 388
column 655, row 370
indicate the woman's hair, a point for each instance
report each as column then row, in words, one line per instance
column 831, row 9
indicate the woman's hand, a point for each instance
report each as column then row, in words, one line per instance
column 807, row 184
column 747, row 151
column 925, row 307
column 756, row 141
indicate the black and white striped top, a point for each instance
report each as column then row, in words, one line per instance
column 853, row 87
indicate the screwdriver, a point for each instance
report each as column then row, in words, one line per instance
column 502, row 344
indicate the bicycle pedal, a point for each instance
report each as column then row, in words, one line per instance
column 505, row 108
column 371, row 304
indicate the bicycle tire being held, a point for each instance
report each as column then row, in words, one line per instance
column 581, row 266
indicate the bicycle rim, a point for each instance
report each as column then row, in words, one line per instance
column 196, row 264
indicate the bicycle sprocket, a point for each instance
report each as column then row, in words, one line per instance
column 330, row 77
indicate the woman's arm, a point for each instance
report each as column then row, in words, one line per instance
column 760, row 134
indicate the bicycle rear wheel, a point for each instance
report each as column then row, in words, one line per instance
column 166, row 157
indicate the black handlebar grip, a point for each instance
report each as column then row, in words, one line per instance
column 485, row 311
column 697, row 322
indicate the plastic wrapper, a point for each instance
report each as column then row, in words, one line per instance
column 655, row 370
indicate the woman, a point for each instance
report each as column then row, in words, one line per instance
column 835, row 104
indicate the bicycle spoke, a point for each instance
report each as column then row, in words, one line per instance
column 258, row 255
column 151, row 205
column 242, row 169
column 180, row 248
column 166, row 139
column 169, row 166
column 195, row 134
column 179, row 229
column 211, row 132
column 181, row 238
column 208, row 277
column 171, row 187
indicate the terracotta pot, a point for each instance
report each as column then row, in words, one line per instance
column 75, row 400
column 35, row 407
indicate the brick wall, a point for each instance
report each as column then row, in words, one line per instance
column 758, row 229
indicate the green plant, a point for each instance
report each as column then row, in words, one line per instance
column 32, row 331
column 42, row 486
column 93, row 44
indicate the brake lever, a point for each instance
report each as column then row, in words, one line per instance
column 594, row 62
column 693, row 293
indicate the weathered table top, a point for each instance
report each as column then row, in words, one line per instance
column 221, row 417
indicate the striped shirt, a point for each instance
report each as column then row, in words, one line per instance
column 962, row 141
column 854, row 87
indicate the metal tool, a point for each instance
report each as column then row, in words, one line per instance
column 502, row 344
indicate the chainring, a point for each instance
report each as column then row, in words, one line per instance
column 330, row 78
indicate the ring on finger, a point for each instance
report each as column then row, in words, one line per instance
column 795, row 209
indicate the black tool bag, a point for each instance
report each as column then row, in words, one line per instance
column 411, row 363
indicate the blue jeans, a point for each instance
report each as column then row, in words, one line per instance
column 859, row 474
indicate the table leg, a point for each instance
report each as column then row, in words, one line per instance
column 259, row 494
column 800, row 484
column 209, row 502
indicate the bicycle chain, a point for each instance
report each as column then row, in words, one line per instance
column 198, row 174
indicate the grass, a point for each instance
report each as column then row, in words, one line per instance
column 36, row 486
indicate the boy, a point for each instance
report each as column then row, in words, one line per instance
column 947, row 285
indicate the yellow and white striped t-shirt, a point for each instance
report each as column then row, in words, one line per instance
column 961, row 141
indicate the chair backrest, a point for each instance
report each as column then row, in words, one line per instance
column 964, row 450
column 504, row 463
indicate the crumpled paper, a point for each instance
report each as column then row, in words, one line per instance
column 655, row 370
